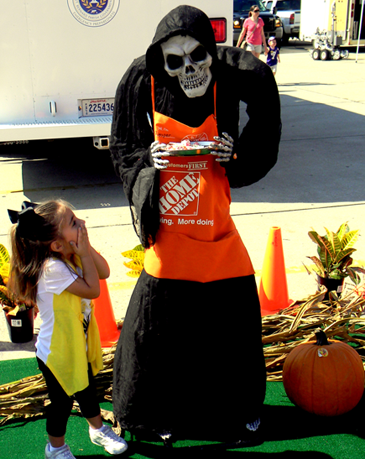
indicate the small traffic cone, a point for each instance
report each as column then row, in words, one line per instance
column 273, row 291
column 104, row 315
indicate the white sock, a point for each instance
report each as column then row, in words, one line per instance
column 98, row 430
column 52, row 448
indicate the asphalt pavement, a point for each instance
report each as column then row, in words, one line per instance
column 318, row 181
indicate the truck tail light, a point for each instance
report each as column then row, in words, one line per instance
column 220, row 29
column 292, row 18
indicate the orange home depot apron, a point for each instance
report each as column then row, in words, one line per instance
column 197, row 239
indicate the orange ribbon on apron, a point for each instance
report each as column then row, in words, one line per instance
column 197, row 239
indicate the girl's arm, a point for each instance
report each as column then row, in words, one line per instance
column 240, row 38
column 101, row 264
column 87, row 286
column 266, row 51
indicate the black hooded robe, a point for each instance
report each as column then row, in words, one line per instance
column 190, row 354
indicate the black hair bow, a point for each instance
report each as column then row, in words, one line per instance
column 30, row 225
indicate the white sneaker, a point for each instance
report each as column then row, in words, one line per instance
column 111, row 442
column 60, row 453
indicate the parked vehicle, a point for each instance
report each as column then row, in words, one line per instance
column 339, row 20
column 62, row 62
column 272, row 23
column 324, row 49
column 289, row 13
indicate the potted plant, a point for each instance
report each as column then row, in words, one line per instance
column 19, row 317
column 137, row 261
column 334, row 261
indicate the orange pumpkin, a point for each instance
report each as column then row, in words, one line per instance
column 324, row 378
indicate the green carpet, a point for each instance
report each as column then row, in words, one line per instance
column 288, row 432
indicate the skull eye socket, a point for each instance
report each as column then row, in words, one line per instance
column 199, row 54
column 174, row 62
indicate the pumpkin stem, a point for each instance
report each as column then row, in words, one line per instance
column 321, row 338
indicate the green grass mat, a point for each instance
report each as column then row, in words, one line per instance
column 288, row 432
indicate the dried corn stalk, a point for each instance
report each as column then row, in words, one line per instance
column 28, row 397
column 342, row 319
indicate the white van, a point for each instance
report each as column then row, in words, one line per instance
column 343, row 21
column 62, row 61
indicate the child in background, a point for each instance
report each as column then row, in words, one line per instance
column 54, row 266
column 273, row 55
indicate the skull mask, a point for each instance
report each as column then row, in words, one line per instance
column 187, row 59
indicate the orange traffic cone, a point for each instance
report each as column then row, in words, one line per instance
column 273, row 291
column 108, row 330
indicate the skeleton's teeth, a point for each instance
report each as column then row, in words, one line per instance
column 194, row 82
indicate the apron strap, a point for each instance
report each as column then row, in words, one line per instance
column 153, row 96
column 215, row 100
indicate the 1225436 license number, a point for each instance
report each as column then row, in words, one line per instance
column 97, row 107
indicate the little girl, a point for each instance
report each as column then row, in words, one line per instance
column 273, row 55
column 54, row 266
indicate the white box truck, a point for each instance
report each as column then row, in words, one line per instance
column 61, row 61
column 342, row 20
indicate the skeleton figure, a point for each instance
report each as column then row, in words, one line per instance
column 189, row 61
column 169, row 372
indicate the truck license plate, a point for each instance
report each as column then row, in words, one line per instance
column 96, row 107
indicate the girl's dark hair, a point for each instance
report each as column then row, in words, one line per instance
column 29, row 252
column 253, row 7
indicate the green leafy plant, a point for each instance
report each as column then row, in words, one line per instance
column 334, row 250
column 9, row 305
column 4, row 262
column 137, row 261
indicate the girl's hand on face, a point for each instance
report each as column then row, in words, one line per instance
column 82, row 246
